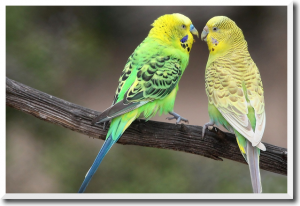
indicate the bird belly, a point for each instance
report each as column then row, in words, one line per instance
column 163, row 106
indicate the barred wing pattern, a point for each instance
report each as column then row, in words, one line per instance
column 232, row 85
column 156, row 78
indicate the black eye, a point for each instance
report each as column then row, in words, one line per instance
column 215, row 29
column 183, row 26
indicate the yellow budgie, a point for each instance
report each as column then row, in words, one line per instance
column 235, row 92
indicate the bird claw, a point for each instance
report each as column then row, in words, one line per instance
column 177, row 117
column 206, row 126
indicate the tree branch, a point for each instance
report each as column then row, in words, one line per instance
column 187, row 138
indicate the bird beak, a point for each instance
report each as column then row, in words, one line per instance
column 193, row 30
column 204, row 33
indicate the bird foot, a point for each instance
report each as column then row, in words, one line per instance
column 211, row 123
column 177, row 117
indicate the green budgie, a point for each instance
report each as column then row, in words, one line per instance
column 235, row 91
column 149, row 81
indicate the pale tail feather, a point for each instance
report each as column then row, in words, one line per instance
column 253, row 162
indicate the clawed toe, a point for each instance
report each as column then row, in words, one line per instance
column 206, row 126
column 182, row 119
column 177, row 117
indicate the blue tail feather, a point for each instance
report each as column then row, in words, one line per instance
column 117, row 127
column 103, row 151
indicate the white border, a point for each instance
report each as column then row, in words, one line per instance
column 151, row 3
column 290, row 99
column 160, row 196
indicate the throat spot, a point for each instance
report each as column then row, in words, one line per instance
column 186, row 46
column 184, row 43
column 214, row 41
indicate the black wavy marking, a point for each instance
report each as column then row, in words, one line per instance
column 155, row 79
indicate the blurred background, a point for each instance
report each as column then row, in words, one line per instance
column 78, row 54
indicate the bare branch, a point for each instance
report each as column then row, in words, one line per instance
column 187, row 138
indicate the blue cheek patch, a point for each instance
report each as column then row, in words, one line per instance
column 214, row 41
column 184, row 39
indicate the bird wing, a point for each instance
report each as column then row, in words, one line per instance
column 154, row 79
column 255, row 94
column 224, row 88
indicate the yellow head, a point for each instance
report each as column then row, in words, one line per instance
column 222, row 34
column 174, row 29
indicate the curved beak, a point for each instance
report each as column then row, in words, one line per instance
column 204, row 33
column 193, row 30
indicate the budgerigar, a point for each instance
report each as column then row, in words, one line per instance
column 149, row 81
column 235, row 92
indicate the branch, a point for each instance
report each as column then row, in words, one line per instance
column 187, row 138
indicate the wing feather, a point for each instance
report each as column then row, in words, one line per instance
column 116, row 110
column 255, row 95
column 224, row 88
column 154, row 78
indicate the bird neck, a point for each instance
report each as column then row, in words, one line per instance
column 162, row 34
column 224, row 48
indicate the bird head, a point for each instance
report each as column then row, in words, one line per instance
column 220, row 33
column 175, row 29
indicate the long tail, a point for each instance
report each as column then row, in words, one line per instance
column 103, row 151
column 251, row 155
column 117, row 127
column 253, row 162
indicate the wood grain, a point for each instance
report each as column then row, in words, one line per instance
column 181, row 137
